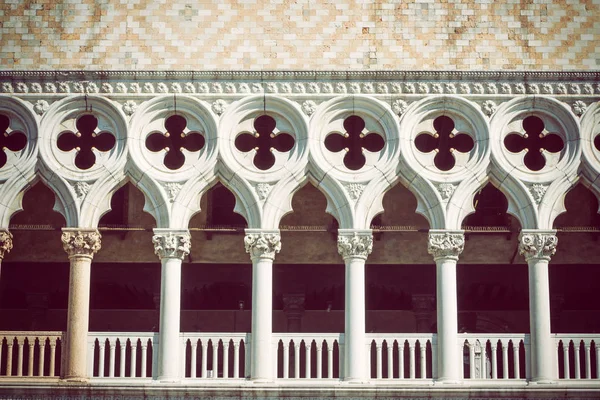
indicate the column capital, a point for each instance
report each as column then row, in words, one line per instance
column 537, row 244
column 78, row 242
column 355, row 243
column 445, row 244
column 6, row 243
column 171, row 243
column 261, row 243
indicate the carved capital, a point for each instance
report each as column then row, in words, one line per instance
column 6, row 243
column 355, row 244
column 262, row 244
column 535, row 244
column 445, row 244
column 171, row 244
column 79, row 242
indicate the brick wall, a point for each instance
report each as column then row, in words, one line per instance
column 300, row 34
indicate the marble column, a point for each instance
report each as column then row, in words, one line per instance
column 262, row 246
column 80, row 245
column 354, row 247
column 537, row 247
column 171, row 246
column 445, row 247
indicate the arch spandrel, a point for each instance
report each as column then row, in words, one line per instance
column 536, row 196
column 590, row 138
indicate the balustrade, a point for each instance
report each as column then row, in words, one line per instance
column 121, row 355
column 408, row 356
column 214, row 355
column 301, row 355
column 578, row 356
column 30, row 354
column 494, row 356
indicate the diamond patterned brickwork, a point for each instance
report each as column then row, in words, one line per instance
column 303, row 34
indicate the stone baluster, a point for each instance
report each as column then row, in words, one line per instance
column 171, row 246
column 537, row 247
column 354, row 247
column 445, row 247
column 262, row 246
column 80, row 245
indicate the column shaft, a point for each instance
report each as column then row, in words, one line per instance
column 170, row 303
column 354, row 327
column 262, row 308
column 447, row 320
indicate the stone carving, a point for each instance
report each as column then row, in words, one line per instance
column 382, row 88
column 7, row 87
column 81, row 189
column 575, row 88
column 263, row 190
column 272, row 87
column 450, row 88
column 505, row 88
column 262, row 245
column 162, row 88
column 189, row 87
column 203, row 87
column 40, row 107
column 478, row 88
column 6, row 243
column 129, row 107
column 446, row 190
column 49, row 87
column 257, row 88
column 81, row 243
column 423, row 88
column 357, row 245
column 298, row 88
column 437, row 88
column 148, row 87
column 538, row 191
column 172, row 189
column 561, row 88
column 219, row 106
column 532, row 88
column 78, row 87
column 217, row 88
column 588, row 89
column 36, row 88
column 122, row 88
column 107, row 88
column 309, row 107
column 22, row 87
column 91, row 87
column 446, row 244
column 399, row 107
column 63, row 87
column 520, row 88
column 175, row 87
column 579, row 108
column 355, row 190
column 368, row 88
column 313, row 87
column 547, row 88
column 492, row 88
column 171, row 245
column 489, row 107
column 537, row 245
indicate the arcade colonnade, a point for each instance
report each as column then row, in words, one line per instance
column 442, row 136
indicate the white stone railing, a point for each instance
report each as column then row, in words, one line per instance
column 215, row 355
column 495, row 356
column 30, row 354
column 308, row 355
column 575, row 354
column 121, row 354
column 401, row 356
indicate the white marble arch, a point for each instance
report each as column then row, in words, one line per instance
column 83, row 196
column 262, row 196
column 444, row 198
column 590, row 162
column 19, row 171
column 354, row 196
column 172, row 196
column 535, row 198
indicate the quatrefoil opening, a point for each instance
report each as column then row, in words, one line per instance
column 444, row 141
column 87, row 138
column 355, row 140
column 265, row 139
column 175, row 138
column 534, row 142
column 11, row 140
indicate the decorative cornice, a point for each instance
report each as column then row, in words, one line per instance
column 445, row 244
column 262, row 244
column 355, row 244
column 80, row 242
column 171, row 243
column 535, row 244
column 6, row 243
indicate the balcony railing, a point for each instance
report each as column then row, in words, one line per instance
column 390, row 357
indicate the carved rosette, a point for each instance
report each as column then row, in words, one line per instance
column 537, row 245
column 81, row 243
column 262, row 245
column 171, row 245
column 6, row 243
column 445, row 245
column 356, row 245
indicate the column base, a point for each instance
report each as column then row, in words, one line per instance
column 75, row 379
column 357, row 381
column 542, row 381
column 168, row 380
column 262, row 381
column 448, row 381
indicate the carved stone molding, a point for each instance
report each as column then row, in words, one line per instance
column 263, row 244
column 6, row 243
column 534, row 244
column 355, row 244
column 445, row 244
column 171, row 244
column 79, row 242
